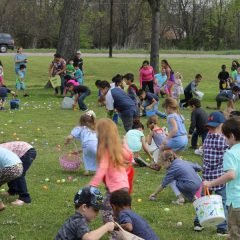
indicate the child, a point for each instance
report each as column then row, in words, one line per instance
column 78, row 75
column 81, row 92
column 110, row 157
column 189, row 90
column 150, row 103
column 117, row 81
column 10, row 168
column 1, row 74
column 136, row 140
column 231, row 176
column 101, row 97
column 228, row 96
column 178, row 88
column 69, row 79
column 130, row 221
column 177, row 138
column 146, row 76
column 3, row 95
column 18, row 186
column 88, row 202
column 156, row 134
column 214, row 147
column 160, row 80
column 181, row 175
column 70, row 70
column 224, row 79
column 237, row 78
column 20, row 85
column 234, row 67
column 86, row 134
column 198, row 122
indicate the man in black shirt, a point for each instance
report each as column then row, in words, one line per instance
column 199, row 119
column 78, row 60
column 81, row 92
column 224, row 79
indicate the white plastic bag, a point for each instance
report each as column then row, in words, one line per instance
column 67, row 103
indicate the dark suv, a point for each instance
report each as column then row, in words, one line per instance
column 6, row 42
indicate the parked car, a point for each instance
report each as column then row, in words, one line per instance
column 6, row 42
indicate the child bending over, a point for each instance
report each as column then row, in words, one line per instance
column 88, row 202
column 3, row 96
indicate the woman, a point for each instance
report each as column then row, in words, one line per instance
column 170, row 77
column 20, row 59
column 146, row 76
column 58, row 67
column 10, row 168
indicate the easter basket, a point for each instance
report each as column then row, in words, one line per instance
column 70, row 161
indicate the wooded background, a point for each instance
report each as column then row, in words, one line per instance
column 184, row 24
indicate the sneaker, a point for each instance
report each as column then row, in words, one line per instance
column 140, row 162
column 198, row 227
column 179, row 201
column 199, row 151
column 222, row 232
column 18, row 202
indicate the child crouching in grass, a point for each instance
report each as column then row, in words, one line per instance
column 3, row 96
column 130, row 221
column 88, row 201
column 181, row 175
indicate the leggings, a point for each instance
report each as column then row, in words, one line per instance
column 149, row 84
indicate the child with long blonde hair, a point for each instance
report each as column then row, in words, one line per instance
column 177, row 138
column 178, row 87
column 86, row 134
column 111, row 169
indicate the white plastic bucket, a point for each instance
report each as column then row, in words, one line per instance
column 67, row 103
column 199, row 94
column 209, row 210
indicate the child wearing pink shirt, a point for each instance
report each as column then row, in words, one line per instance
column 111, row 157
column 147, row 76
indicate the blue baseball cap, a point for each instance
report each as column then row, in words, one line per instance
column 215, row 119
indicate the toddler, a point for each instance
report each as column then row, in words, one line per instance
column 70, row 70
column 178, row 88
column 20, row 85
column 78, row 74
column 1, row 74
column 224, row 79
column 3, row 96
column 88, row 202
column 86, row 134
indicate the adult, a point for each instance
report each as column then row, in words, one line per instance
column 58, row 67
column 146, row 76
column 20, row 59
column 117, row 99
column 78, row 60
column 170, row 77
column 10, row 168
column 18, row 186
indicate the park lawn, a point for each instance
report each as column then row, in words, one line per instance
column 41, row 122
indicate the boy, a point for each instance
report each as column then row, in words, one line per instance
column 88, row 201
column 189, row 90
column 224, row 79
column 3, row 95
column 160, row 79
column 78, row 75
column 198, row 122
column 20, row 79
column 214, row 147
column 151, row 101
column 81, row 93
column 231, row 176
column 121, row 204
column 228, row 96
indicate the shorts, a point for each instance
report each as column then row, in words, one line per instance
column 20, row 86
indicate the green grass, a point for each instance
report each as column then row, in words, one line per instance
column 40, row 120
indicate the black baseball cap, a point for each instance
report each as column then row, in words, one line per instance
column 91, row 196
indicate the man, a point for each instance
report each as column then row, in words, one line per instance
column 78, row 60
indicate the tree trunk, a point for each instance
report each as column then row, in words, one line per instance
column 111, row 29
column 69, row 34
column 155, row 33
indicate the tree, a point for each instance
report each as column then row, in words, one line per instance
column 111, row 29
column 69, row 34
column 155, row 32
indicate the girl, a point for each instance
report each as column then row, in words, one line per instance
column 111, row 170
column 135, row 139
column 1, row 74
column 237, row 77
column 182, row 177
column 170, row 77
column 86, row 134
column 146, row 76
column 157, row 134
column 18, row 186
column 177, row 138
column 178, row 88
column 10, row 168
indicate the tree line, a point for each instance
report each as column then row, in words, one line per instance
column 184, row 24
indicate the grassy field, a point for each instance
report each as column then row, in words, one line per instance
column 41, row 122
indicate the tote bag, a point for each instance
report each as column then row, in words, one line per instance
column 125, row 235
column 55, row 81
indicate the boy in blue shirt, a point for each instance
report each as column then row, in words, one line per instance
column 78, row 75
column 3, row 95
column 20, row 85
column 121, row 204
column 231, row 177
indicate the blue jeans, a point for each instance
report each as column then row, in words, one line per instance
column 154, row 108
column 195, row 136
column 222, row 193
column 127, row 119
column 62, row 85
column 81, row 98
column 19, row 185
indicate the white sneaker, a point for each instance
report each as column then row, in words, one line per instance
column 199, row 151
